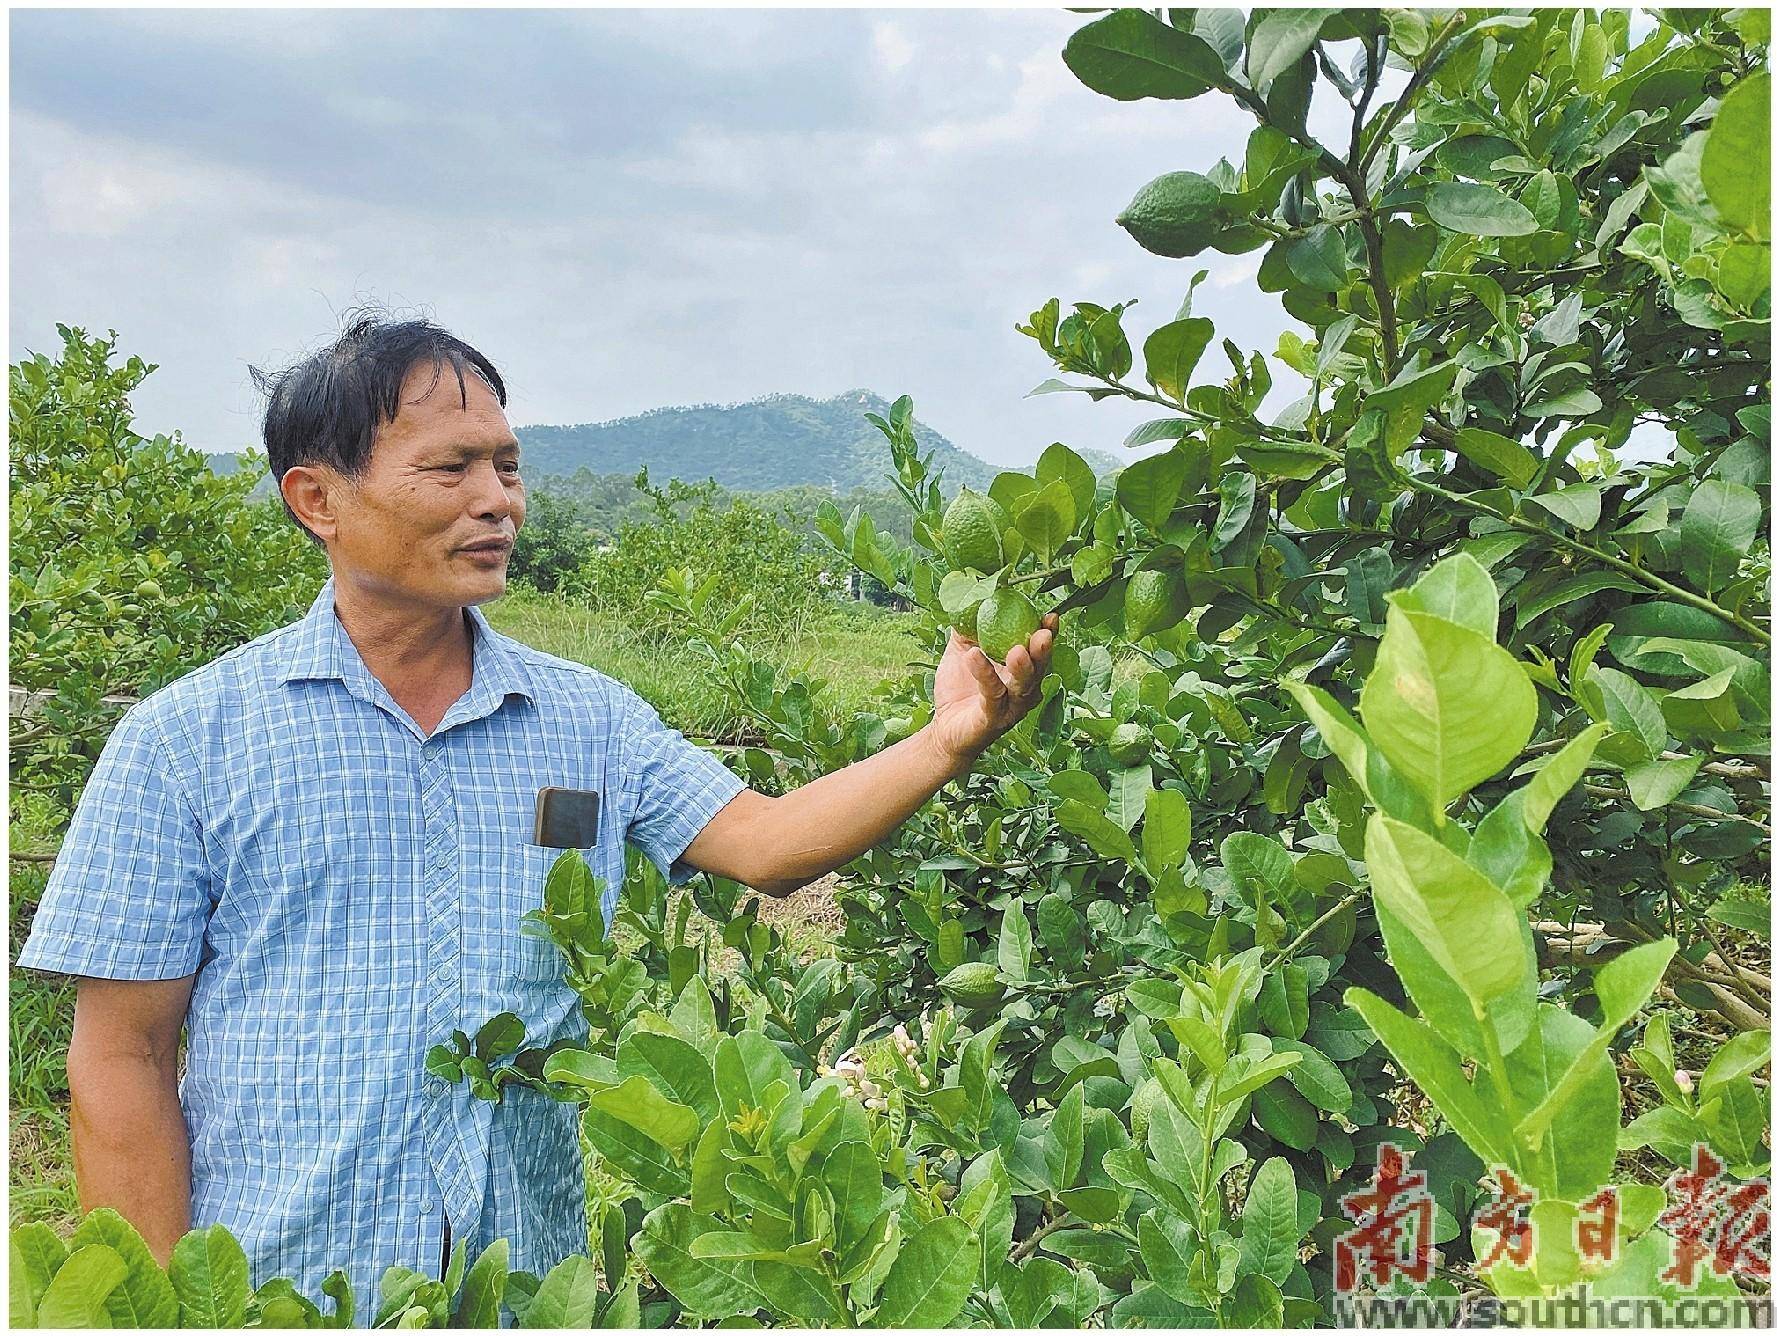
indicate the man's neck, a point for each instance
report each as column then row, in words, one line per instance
column 424, row 657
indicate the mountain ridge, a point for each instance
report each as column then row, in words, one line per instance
column 774, row 441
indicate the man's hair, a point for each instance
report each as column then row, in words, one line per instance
column 326, row 409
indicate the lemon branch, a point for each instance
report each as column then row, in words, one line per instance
column 1629, row 568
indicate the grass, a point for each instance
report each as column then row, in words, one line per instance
column 857, row 648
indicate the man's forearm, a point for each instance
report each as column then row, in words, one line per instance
column 132, row 1151
column 831, row 820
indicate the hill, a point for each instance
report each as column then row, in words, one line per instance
column 778, row 441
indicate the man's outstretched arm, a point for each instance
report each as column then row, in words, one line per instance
column 778, row 844
column 132, row 1151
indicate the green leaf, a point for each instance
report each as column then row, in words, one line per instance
column 571, row 889
column 1743, row 1055
column 568, row 1296
column 338, row 1287
column 478, row 1305
column 209, row 1273
column 1477, row 211
column 633, row 1152
column 1047, row 518
column 1283, row 1001
column 1064, row 1144
column 1245, row 1073
column 502, row 1035
column 976, row 1073
column 145, row 1298
column 1568, row 591
column 1317, row 259
column 1149, row 488
column 1559, row 774
column 1261, row 868
column 1624, row 985
column 853, row 1175
column 1405, row 401
column 1499, row 455
column 1239, row 492
column 1717, row 530
column 804, row 1296
column 1459, row 590
column 1323, row 1084
column 1437, row 1070
column 36, row 1254
column 709, row 1171
column 1578, row 504
column 624, row 1311
column 1130, row 54
column 1752, row 916
column 1579, row 1148
column 1166, row 829
column 575, row 1066
column 1014, row 952
column 1060, row 464
column 1268, row 1234
column 1736, row 165
column 1255, row 1303
column 1171, row 354
column 1447, row 706
column 706, row 1288
column 1631, row 709
column 1653, row 784
column 1463, row 920
column 1287, row 1116
column 931, row 1277
column 77, row 1295
column 1168, row 1245
column 637, row 1102
column 1279, row 41
column 673, row 1067
column 1107, row 838
column 747, row 1064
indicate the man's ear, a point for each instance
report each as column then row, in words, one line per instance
column 312, row 491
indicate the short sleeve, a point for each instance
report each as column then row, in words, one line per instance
column 129, row 894
column 675, row 787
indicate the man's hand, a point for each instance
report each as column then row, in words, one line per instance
column 778, row 844
column 974, row 699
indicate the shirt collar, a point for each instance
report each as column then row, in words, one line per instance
column 321, row 650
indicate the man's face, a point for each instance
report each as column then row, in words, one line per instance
column 432, row 519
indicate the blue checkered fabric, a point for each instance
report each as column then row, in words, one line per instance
column 348, row 891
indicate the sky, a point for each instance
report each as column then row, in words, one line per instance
column 623, row 209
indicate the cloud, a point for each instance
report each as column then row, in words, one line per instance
column 624, row 208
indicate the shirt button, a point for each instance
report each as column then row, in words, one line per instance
column 426, row 1207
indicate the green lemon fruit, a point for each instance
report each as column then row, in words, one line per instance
column 1129, row 744
column 1175, row 215
column 1004, row 619
column 148, row 589
column 974, row 984
column 1147, row 603
column 971, row 531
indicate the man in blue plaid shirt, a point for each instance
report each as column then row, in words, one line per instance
column 313, row 853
